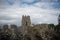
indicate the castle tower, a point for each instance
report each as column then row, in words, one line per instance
column 26, row 21
column 59, row 20
column 25, row 24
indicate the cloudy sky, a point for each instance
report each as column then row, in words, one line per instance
column 40, row 11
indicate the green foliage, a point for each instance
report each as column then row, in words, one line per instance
column 57, row 27
column 51, row 26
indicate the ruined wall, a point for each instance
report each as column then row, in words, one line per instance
column 36, row 31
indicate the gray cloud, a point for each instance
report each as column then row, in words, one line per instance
column 11, row 11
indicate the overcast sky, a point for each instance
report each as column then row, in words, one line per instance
column 40, row 11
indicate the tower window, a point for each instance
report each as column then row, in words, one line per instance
column 26, row 23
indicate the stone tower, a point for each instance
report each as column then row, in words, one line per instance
column 26, row 21
column 25, row 24
column 59, row 20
